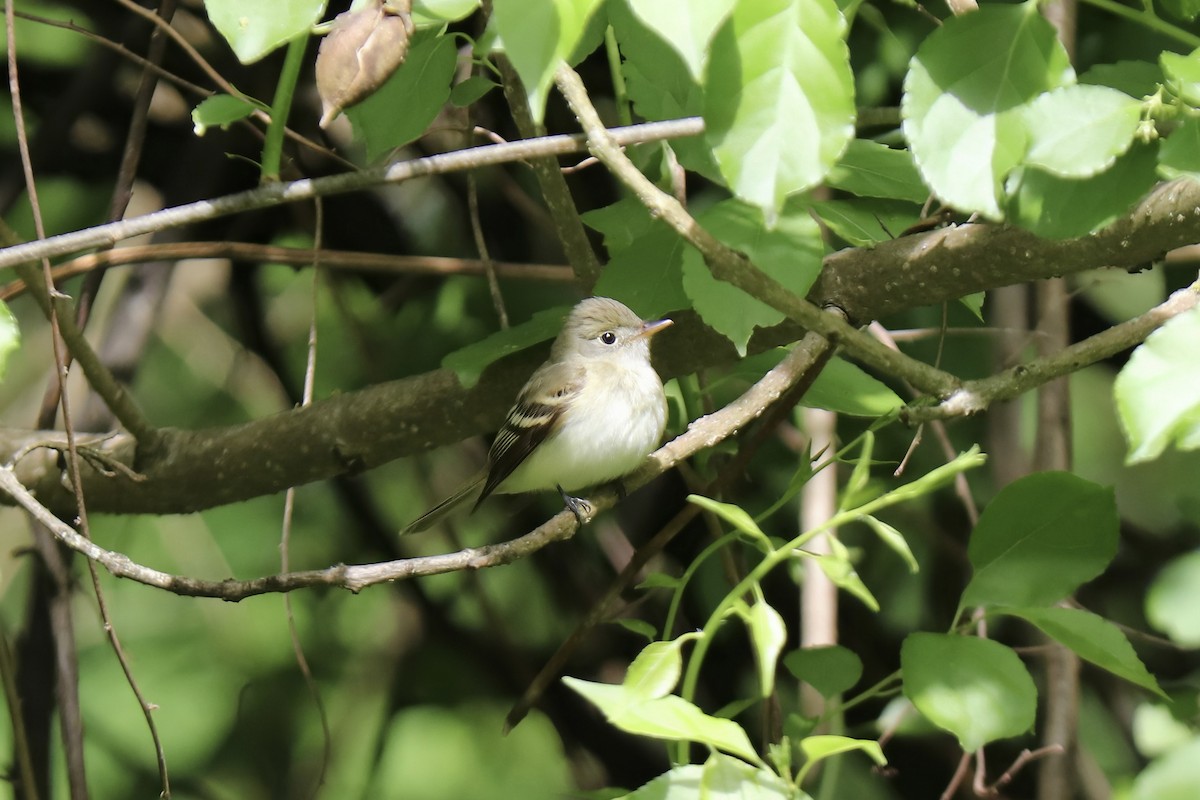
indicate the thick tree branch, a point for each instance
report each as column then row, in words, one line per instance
column 350, row 432
column 701, row 434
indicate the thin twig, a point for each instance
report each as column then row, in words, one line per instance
column 489, row 267
column 253, row 252
column 302, row 190
column 960, row 773
column 66, row 677
column 289, row 506
column 976, row 396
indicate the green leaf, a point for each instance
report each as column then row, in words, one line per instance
column 470, row 90
column 1039, row 539
column 838, row 568
column 656, row 669
column 669, row 717
column 687, row 25
column 976, row 689
column 1158, row 390
column 1092, row 638
column 963, row 94
column 220, row 110
column 732, row 514
column 1173, row 599
column 254, row 28
column 1179, row 154
column 768, row 634
column 401, row 110
column 438, row 12
column 537, row 36
column 639, row 627
column 659, row 84
column 1174, row 776
column 1078, row 131
column 867, row 221
column 469, row 362
column 1062, row 208
column 871, row 169
column 830, row 670
column 1186, row 10
column 779, row 98
column 844, row 388
column 1183, row 75
column 660, row 580
column 816, row 748
column 728, row 778
column 1134, row 78
column 679, row 783
column 790, row 252
column 648, row 274
column 893, row 539
column 621, row 223
column 10, row 336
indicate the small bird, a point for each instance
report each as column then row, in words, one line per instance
column 589, row 415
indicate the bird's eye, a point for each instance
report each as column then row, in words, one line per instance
column 608, row 337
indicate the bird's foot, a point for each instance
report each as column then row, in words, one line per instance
column 576, row 505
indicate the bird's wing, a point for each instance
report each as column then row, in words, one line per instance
column 535, row 416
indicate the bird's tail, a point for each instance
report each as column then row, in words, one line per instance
column 468, row 491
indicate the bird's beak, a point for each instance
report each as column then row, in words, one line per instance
column 651, row 328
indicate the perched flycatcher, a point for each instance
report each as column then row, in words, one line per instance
column 589, row 415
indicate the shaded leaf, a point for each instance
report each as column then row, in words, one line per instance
column 830, row 670
column 1039, row 539
column 844, row 388
column 1092, row 638
column 420, row 88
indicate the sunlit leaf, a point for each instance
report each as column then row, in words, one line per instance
column 687, row 25
column 817, row 748
column 1158, row 390
column 779, row 98
column 537, row 36
column 768, row 634
column 976, row 689
column 1173, row 599
column 669, row 717
column 254, row 28
column 1078, row 131
column 656, row 669
column 963, row 95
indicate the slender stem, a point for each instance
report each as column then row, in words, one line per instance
column 281, row 106
column 1149, row 20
